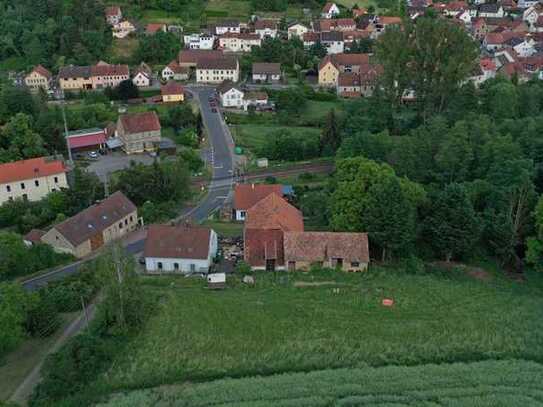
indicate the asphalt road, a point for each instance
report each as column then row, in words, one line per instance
column 222, row 147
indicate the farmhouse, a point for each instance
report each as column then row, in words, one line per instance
column 239, row 42
column 330, row 10
column 139, row 132
column 176, row 72
column 266, row 28
column 38, row 78
column 143, row 76
column 179, row 249
column 230, row 95
column 31, row 179
column 217, row 70
column 190, row 58
column 123, row 29
column 296, row 30
column 199, row 41
column 333, row 42
column 113, row 15
column 75, row 77
column 99, row 76
column 332, row 65
column 346, row 251
column 172, row 92
column 94, row 227
column 247, row 195
column 266, row 72
column 265, row 225
column 87, row 140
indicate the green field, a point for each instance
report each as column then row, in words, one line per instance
column 298, row 323
column 489, row 383
column 253, row 136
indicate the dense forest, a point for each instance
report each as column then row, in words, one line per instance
column 52, row 32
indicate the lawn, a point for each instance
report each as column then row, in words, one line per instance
column 227, row 229
column 489, row 383
column 216, row 10
column 253, row 137
column 122, row 50
column 301, row 322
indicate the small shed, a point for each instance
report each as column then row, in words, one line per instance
column 216, row 281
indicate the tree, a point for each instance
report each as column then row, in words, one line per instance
column 13, row 307
column 331, row 136
column 390, row 217
column 20, row 140
column 127, row 90
column 451, row 225
column 534, row 254
column 159, row 48
column 291, row 101
column 432, row 56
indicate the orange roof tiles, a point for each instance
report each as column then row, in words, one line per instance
column 247, row 195
column 30, row 169
column 273, row 212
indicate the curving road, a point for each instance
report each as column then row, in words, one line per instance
column 222, row 147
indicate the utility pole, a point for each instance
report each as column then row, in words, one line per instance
column 70, row 160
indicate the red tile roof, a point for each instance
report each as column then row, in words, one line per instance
column 321, row 246
column 273, row 212
column 264, row 24
column 29, row 169
column 153, row 28
column 34, row 236
column 42, row 71
column 192, row 56
column 96, row 218
column 176, row 68
column 177, row 242
column 172, row 88
column 345, row 59
column 246, row 195
column 109, row 70
column 140, row 122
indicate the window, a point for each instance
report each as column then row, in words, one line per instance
column 159, row 265
column 355, row 264
column 25, row 197
column 131, row 218
column 120, row 225
column 22, row 185
column 37, row 183
column 176, row 266
column 8, row 188
column 126, row 221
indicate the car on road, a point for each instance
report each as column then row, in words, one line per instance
column 213, row 110
column 93, row 155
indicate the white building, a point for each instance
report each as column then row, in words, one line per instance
column 217, row 70
column 333, row 41
column 31, row 179
column 230, row 95
column 176, row 72
column 296, row 30
column 255, row 99
column 143, row 76
column 266, row 28
column 527, row 3
column 123, row 29
column 199, row 41
column 242, row 42
column 228, row 26
column 330, row 10
column 179, row 249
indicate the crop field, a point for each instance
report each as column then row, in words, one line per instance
column 302, row 322
column 490, row 383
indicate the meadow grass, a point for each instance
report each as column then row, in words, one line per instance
column 253, row 137
column 221, row 9
column 227, row 229
column 489, row 383
column 279, row 327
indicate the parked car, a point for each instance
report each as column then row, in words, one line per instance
column 93, row 155
column 213, row 110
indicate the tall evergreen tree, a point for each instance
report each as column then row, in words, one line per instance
column 331, row 137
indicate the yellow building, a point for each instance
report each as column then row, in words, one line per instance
column 328, row 73
column 172, row 92
column 38, row 78
column 332, row 65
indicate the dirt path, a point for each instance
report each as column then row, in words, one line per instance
column 26, row 388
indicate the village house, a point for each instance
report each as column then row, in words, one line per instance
column 531, row 14
column 266, row 28
column 94, row 227
column 310, row 38
column 255, row 100
column 337, row 24
column 181, row 249
column 361, row 83
column 247, row 195
column 344, row 251
column 296, row 30
column 217, row 70
column 93, row 139
column 199, row 41
column 333, row 42
column 332, row 65
column 38, row 78
column 485, row 69
column 75, row 77
column 266, row 72
column 227, row 26
column 143, row 76
column 176, row 72
column 123, row 29
column 31, row 179
column 265, row 225
column 153, row 28
column 189, row 58
column 493, row 10
column 330, row 10
column 522, row 4
column 348, row 85
column 172, row 92
column 139, row 132
column 382, row 23
column 113, row 15
column 230, row 95
column 239, row 42
column 104, row 75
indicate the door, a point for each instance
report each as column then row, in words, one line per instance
column 97, row 241
column 270, row 265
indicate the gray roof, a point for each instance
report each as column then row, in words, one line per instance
column 95, row 219
column 266, row 68
column 217, row 63
column 73, row 71
column 331, row 36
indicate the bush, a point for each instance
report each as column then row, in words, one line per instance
column 285, row 146
column 42, row 318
